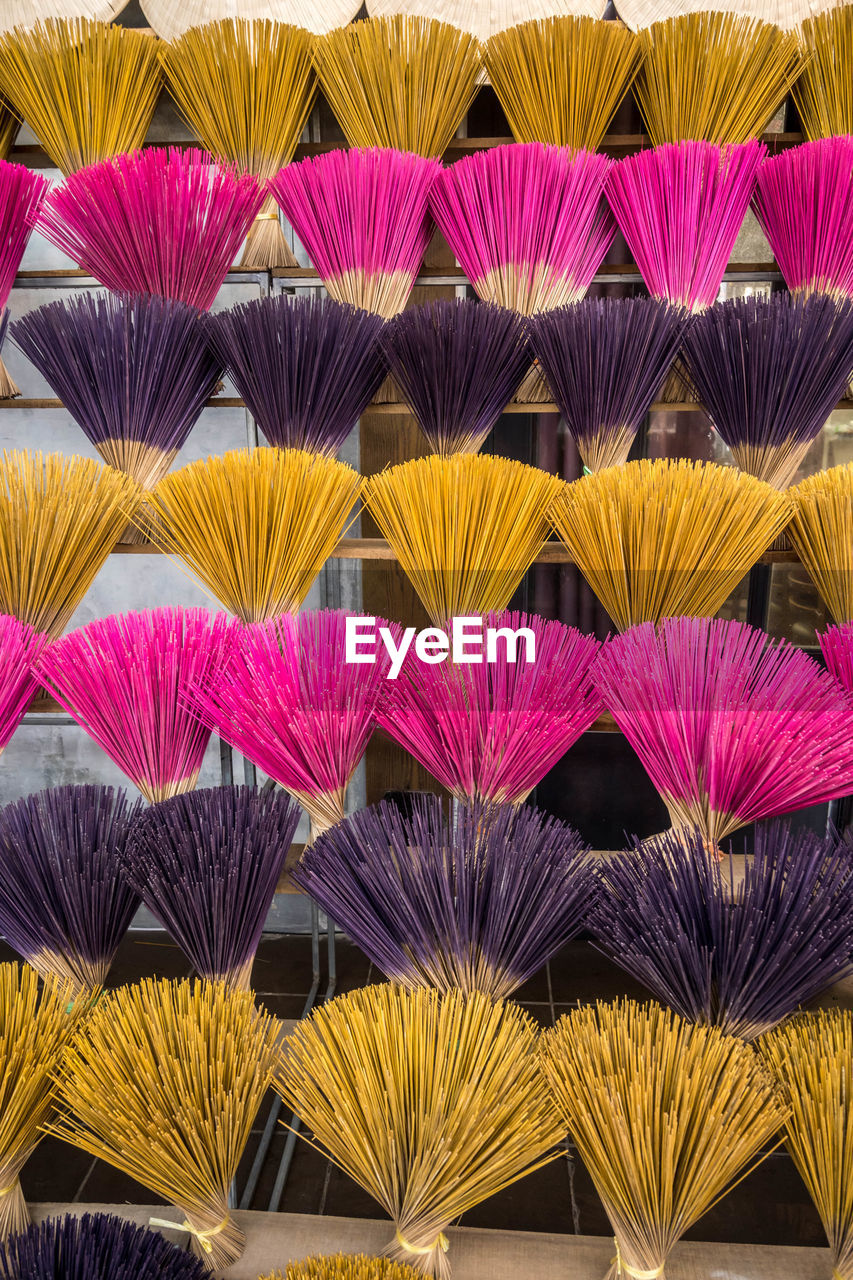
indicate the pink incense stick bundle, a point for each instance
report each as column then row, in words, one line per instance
column 363, row 218
column 160, row 221
column 21, row 196
column 20, row 646
column 527, row 222
column 489, row 731
column 680, row 208
column 127, row 680
column 836, row 645
column 730, row 728
column 804, row 202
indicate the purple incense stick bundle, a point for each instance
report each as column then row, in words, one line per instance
column 20, row 647
column 458, row 364
column 307, row 368
column 480, row 903
column 207, row 864
column 133, row 372
column 605, row 359
column 527, row 222
column 64, row 903
column 127, row 680
column 741, row 954
column 770, row 371
column 162, row 221
column 21, row 196
column 489, row 731
column 680, row 208
column 730, row 728
column 96, row 1246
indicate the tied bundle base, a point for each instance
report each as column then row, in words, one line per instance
column 266, row 244
column 14, row 1215
column 534, row 388
column 8, row 388
column 427, row 1260
column 390, row 393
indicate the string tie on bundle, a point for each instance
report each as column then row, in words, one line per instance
column 203, row 1237
column 623, row 1269
column 419, row 1250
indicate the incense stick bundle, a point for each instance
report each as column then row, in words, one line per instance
column 680, row 209
column 307, row 368
column 665, row 1116
column 64, row 902
column 97, row 1246
column 127, row 680
column 836, row 645
column 489, row 731
column 527, row 223
column 172, row 20
column 21, row 196
column 207, row 864
column 729, row 728
column 162, row 221
column 86, row 89
column 34, row 1029
column 60, row 518
column 821, row 530
column 133, row 1093
column 9, row 126
column 288, row 700
column 804, row 203
column 431, row 1103
column 24, row 13
column 812, row 1058
column 823, row 92
column 20, row 646
column 659, row 538
column 605, row 359
column 479, row 904
column 254, row 527
column 769, row 372
column 133, row 372
column 246, row 88
column 344, row 1266
column 363, row 217
column 403, row 82
column 560, row 79
column 458, row 364
column 465, row 528
column 740, row 956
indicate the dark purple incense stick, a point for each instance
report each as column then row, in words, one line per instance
column 97, row 1246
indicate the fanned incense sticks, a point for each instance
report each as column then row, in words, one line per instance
column 769, row 372
column 363, row 217
column 479, row 904
column 344, row 1266
column 19, row 648
column 804, row 202
column 823, row 92
column 171, row 20
column 836, row 645
column 255, row 527
column 605, row 359
column 740, row 956
column 9, row 126
column 560, row 79
column 665, row 1116
column 527, row 223
column 821, row 530
column 403, row 82
column 132, row 1093
column 86, row 89
column 34, row 1029
column 60, row 518
column 680, row 208
column 133, row 372
column 162, row 221
column 96, row 1246
column 431, row 1103
column 489, row 731
column 21, row 196
column 730, row 728
column 64, row 903
column 306, row 367
column 465, row 528
column 458, row 364
column 658, row 538
column 812, row 1058
column 246, row 88
column 716, row 77
column 484, row 20
column 25, row 13
column 288, row 700
column 207, row 864
column 127, row 680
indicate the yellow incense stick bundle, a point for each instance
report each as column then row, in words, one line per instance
column 715, row 77
column 246, row 89
column 465, row 528
column 400, row 82
column 164, row 1082
column 344, row 1266
column 657, row 539
column 86, row 89
column 560, row 80
column 9, row 126
column 430, row 1102
column 824, row 91
column 254, row 527
column 665, row 1115
column 821, row 530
